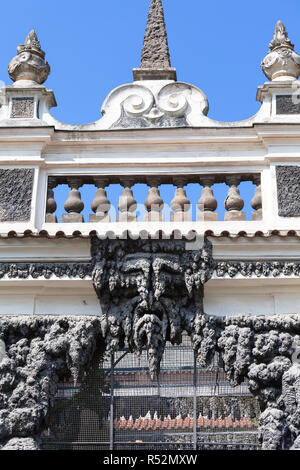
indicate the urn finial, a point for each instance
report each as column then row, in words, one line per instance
column 30, row 62
column 282, row 62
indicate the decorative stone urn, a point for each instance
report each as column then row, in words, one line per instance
column 29, row 64
column 282, row 62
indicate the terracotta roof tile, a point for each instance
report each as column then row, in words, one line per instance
column 209, row 233
column 155, row 423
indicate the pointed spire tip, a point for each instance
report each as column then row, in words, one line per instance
column 280, row 37
column 155, row 60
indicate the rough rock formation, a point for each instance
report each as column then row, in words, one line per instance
column 262, row 349
column 155, row 60
column 150, row 292
column 21, row 444
column 39, row 352
column 45, row 270
column 257, row 268
column 155, row 53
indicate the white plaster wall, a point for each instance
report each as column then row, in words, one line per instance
column 49, row 299
column 222, row 297
column 252, row 297
column 40, row 250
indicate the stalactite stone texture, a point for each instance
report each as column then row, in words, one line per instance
column 39, row 353
column 150, row 292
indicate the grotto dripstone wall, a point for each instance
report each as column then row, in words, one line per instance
column 150, row 292
column 38, row 353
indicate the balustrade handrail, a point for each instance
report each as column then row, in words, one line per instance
column 154, row 204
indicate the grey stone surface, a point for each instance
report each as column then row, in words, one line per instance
column 234, row 215
column 2, row 351
column 155, row 53
column 280, row 37
column 72, row 218
column 207, row 215
column 282, row 60
column 46, row 270
column 41, row 351
column 261, row 349
column 51, row 219
column 130, row 122
column 288, row 190
column 288, row 104
column 155, row 60
column 150, row 292
column 257, row 268
column 257, row 215
column 30, row 62
column 103, row 218
column 82, row 270
column 15, row 194
column 22, row 108
column 22, row 443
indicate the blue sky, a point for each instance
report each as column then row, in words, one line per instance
column 92, row 47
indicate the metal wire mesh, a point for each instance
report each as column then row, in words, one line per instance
column 147, row 411
column 79, row 417
column 187, row 407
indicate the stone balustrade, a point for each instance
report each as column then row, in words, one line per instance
column 180, row 206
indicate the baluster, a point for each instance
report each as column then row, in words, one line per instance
column 234, row 203
column 256, row 202
column 100, row 204
column 127, row 204
column 51, row 205
column 207, row 203
column 180, row 204
column 73, row 204
column 154, row 203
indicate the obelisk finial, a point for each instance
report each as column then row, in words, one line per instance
column 155, row 63
column 29, row 64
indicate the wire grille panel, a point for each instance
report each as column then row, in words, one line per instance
column 80, row 416
column 119, row 406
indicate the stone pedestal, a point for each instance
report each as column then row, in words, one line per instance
column 126, row 217
column 207, row 216
column 234, row 215
column 72, row 218
column 180, row 216
column 153, row 217
column 100, row 217
column 51, row 219
column 257, row 215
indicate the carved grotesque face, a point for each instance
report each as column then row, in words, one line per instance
column 150, row 292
